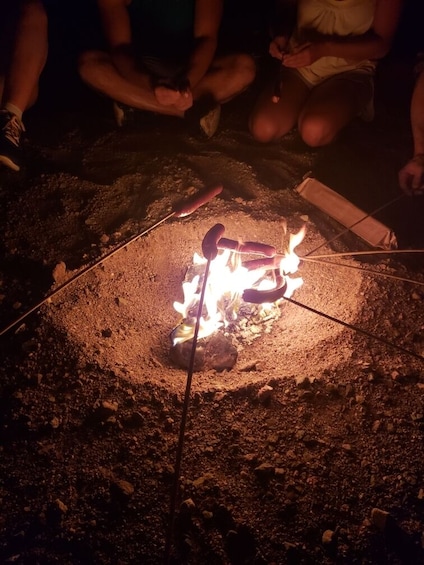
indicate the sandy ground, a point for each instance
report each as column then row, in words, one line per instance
column 91, row 402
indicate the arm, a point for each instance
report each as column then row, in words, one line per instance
column 411, row 177
column 374, row 44
column 208, row 15
column 117, row 30
column 281, row 26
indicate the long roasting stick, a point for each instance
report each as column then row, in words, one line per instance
column 368, row 252
column 362, row 269
column 210, row 251
column 370, row 215
column 355, row 328
column 181, row 209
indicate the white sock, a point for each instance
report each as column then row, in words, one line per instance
column 14, row 110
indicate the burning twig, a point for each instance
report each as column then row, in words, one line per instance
column 180, row 210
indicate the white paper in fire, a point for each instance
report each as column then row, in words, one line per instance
column 356, row 220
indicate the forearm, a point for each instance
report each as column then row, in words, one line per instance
column 201, row 59
column 417, row 115
column 367, row 46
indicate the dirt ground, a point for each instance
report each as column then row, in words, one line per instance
column 308, row 451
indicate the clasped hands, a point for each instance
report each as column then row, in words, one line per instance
column 178, row 95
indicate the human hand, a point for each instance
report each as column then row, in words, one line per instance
column 278, row 46
column 181, row 99
column 411, row 176
column 302, row 56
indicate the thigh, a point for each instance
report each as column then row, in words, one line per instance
column 339, row 99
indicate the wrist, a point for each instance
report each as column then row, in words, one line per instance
column 418, row 157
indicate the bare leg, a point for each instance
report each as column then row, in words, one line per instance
column 228, row 76
column 97, row 70
column 28, row 57
column 270, row 120
column 329, row 108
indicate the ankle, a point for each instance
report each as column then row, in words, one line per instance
column 14, row 110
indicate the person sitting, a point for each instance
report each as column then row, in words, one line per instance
column 19, row 87
column 411, row 176
column 327, row 66
column 162, row 57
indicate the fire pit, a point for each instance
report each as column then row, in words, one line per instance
column 244, row 284
column 120, row 315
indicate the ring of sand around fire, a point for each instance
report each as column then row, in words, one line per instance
column 120, row 314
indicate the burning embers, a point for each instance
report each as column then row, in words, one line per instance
column 245, row 284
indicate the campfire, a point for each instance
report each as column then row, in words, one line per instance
column 246, row 284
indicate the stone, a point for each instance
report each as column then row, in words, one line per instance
column 215, row 352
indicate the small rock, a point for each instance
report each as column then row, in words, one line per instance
column 188, row 504
column 303, row 382
column 59, row 273
column 122, row 488
column 327, row 537
column 169, row 424
column 265, row 393
column 55, row 422
column 379, row 518
column 265, row 471
column 105, row 411
column 216, row 352
column 61, row 506
column 248, row 367
column 107, row 332
column 134, row 420
column 201, row 481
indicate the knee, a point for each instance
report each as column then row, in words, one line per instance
column 245, row 68
column 88, row 64
column 262, row 128
column 316, row 131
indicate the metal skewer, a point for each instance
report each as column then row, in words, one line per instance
column 210, row 251
column 355, row 328
column 370, row 252
column 315, row 259
column 370, row 215
column 180, row 210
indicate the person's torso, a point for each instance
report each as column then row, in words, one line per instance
column 162, row 25
column 334, row 18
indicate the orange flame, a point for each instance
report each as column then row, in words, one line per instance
column 227, row 280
